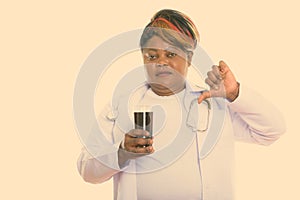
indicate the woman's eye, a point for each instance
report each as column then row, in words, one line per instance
column 151, row 57
column 171, row 55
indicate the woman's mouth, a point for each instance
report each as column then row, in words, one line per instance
column 163, row 73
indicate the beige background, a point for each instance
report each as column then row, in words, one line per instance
column 43, row 45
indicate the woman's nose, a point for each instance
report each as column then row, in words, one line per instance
column 162, row 61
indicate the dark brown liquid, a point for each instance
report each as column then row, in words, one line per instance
column 143, row 120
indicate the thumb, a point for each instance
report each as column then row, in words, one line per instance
column 203, row 96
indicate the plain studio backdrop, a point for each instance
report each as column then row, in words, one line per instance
column 44, row 43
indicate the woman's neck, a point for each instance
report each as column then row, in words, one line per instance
column 164, row 91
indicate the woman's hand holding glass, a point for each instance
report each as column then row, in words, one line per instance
column 138, row 141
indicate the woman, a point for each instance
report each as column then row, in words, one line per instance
column 169, row 165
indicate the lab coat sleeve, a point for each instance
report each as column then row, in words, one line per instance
column 98, row 161
column 254, row 119
column 92, row 170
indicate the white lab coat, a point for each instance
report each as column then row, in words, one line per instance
column 249, row 118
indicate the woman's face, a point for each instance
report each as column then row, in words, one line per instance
column 166, row 66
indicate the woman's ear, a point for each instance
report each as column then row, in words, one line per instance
column 189, row 57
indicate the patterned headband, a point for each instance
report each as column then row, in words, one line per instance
column 172, row 26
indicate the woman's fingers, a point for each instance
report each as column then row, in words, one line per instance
column 212, row 85
column 217, row 72
column 138, row 141
column 141, row 150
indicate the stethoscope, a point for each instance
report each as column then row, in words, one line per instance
column 208, row 104
column 192, row 104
